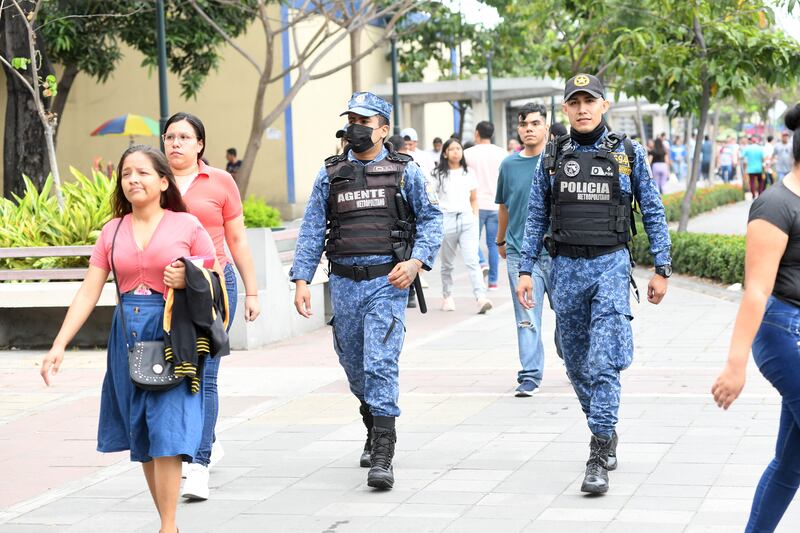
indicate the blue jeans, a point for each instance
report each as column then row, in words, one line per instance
column 726, row 173
column 209, row 385
column 776, row 350
column 529, row 321
column 488, row 218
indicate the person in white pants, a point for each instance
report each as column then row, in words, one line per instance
column 456, row 186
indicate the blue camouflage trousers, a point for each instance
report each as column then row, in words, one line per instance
column 593, row 313
column 368, row 332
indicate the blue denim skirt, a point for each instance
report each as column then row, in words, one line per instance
column 148, row 423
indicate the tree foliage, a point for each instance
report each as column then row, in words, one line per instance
column 690, row 54
column 86, row 35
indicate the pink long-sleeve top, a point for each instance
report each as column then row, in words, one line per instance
column 177, row 235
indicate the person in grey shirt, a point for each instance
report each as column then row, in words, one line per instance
column 783, row 155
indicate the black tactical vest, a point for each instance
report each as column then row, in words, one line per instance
column 588, row 208
column 365, row 206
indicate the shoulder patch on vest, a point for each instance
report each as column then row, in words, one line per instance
column 622, row 160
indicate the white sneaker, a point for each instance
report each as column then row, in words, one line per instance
column 196, row 485
column 217, row 453
column 448, row 304
column 484, row 304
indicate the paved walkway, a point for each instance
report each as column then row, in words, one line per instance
column 729, row 220
column 470, row 456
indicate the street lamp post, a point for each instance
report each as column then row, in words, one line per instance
column 161, row 41
column 395, row 95
column 489, row 95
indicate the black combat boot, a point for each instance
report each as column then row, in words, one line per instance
column 611, row 464
column 596, row 479
column 366, row 417
column 384, row 437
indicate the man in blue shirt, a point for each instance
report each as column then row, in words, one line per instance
column 513, row 191
column 753, row 156
column 366, row 205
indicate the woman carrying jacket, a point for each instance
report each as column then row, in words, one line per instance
column 150, row 229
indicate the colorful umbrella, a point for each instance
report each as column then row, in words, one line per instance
column 129, row 125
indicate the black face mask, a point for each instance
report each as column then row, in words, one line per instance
column 359, row 137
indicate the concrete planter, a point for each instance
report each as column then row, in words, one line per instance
column 279, row 319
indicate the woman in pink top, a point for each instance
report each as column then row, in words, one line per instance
column 160, row 428
column 212, row 196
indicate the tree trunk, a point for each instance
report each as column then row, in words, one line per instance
column 686, row 204
column 705, row 103
column 355, row 68
column 49, row 137
column 712, row 167
column 687, row 133
column 24, row 147
column 254, row 140
column 640, row 122
column 60, row 101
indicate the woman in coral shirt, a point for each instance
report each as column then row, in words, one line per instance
column 212, row 196
column 160, row 428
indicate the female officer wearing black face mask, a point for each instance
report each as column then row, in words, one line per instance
column 375, row 207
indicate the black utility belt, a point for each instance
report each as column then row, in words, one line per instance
column 576, row 251
column 361, row 273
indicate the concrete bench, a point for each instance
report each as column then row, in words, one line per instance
column 44, row 273
column 31, row 313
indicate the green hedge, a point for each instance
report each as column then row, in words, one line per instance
column 706, row 255
column 704, row 200
column 258, row 214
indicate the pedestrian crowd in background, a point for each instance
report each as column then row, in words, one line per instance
column 754, row 161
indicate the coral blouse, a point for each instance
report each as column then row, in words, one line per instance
column 177, row 235
column 214, row 199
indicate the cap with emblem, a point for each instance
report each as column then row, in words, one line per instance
column 368, row 105
column 583, row 83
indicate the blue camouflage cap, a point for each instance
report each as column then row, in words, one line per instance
column 368, row 105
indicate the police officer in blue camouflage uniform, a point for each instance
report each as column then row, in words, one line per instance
column 585, row 188
column 379, row 224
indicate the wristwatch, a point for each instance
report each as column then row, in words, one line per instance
column 664, row 271
column 501, row 243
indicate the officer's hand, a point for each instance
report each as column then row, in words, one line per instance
column 403, row 274
column 656, row 289
column 175, row 275
column 302, row 298
column 525, row 292
column 728, row 386
column 501, row 249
